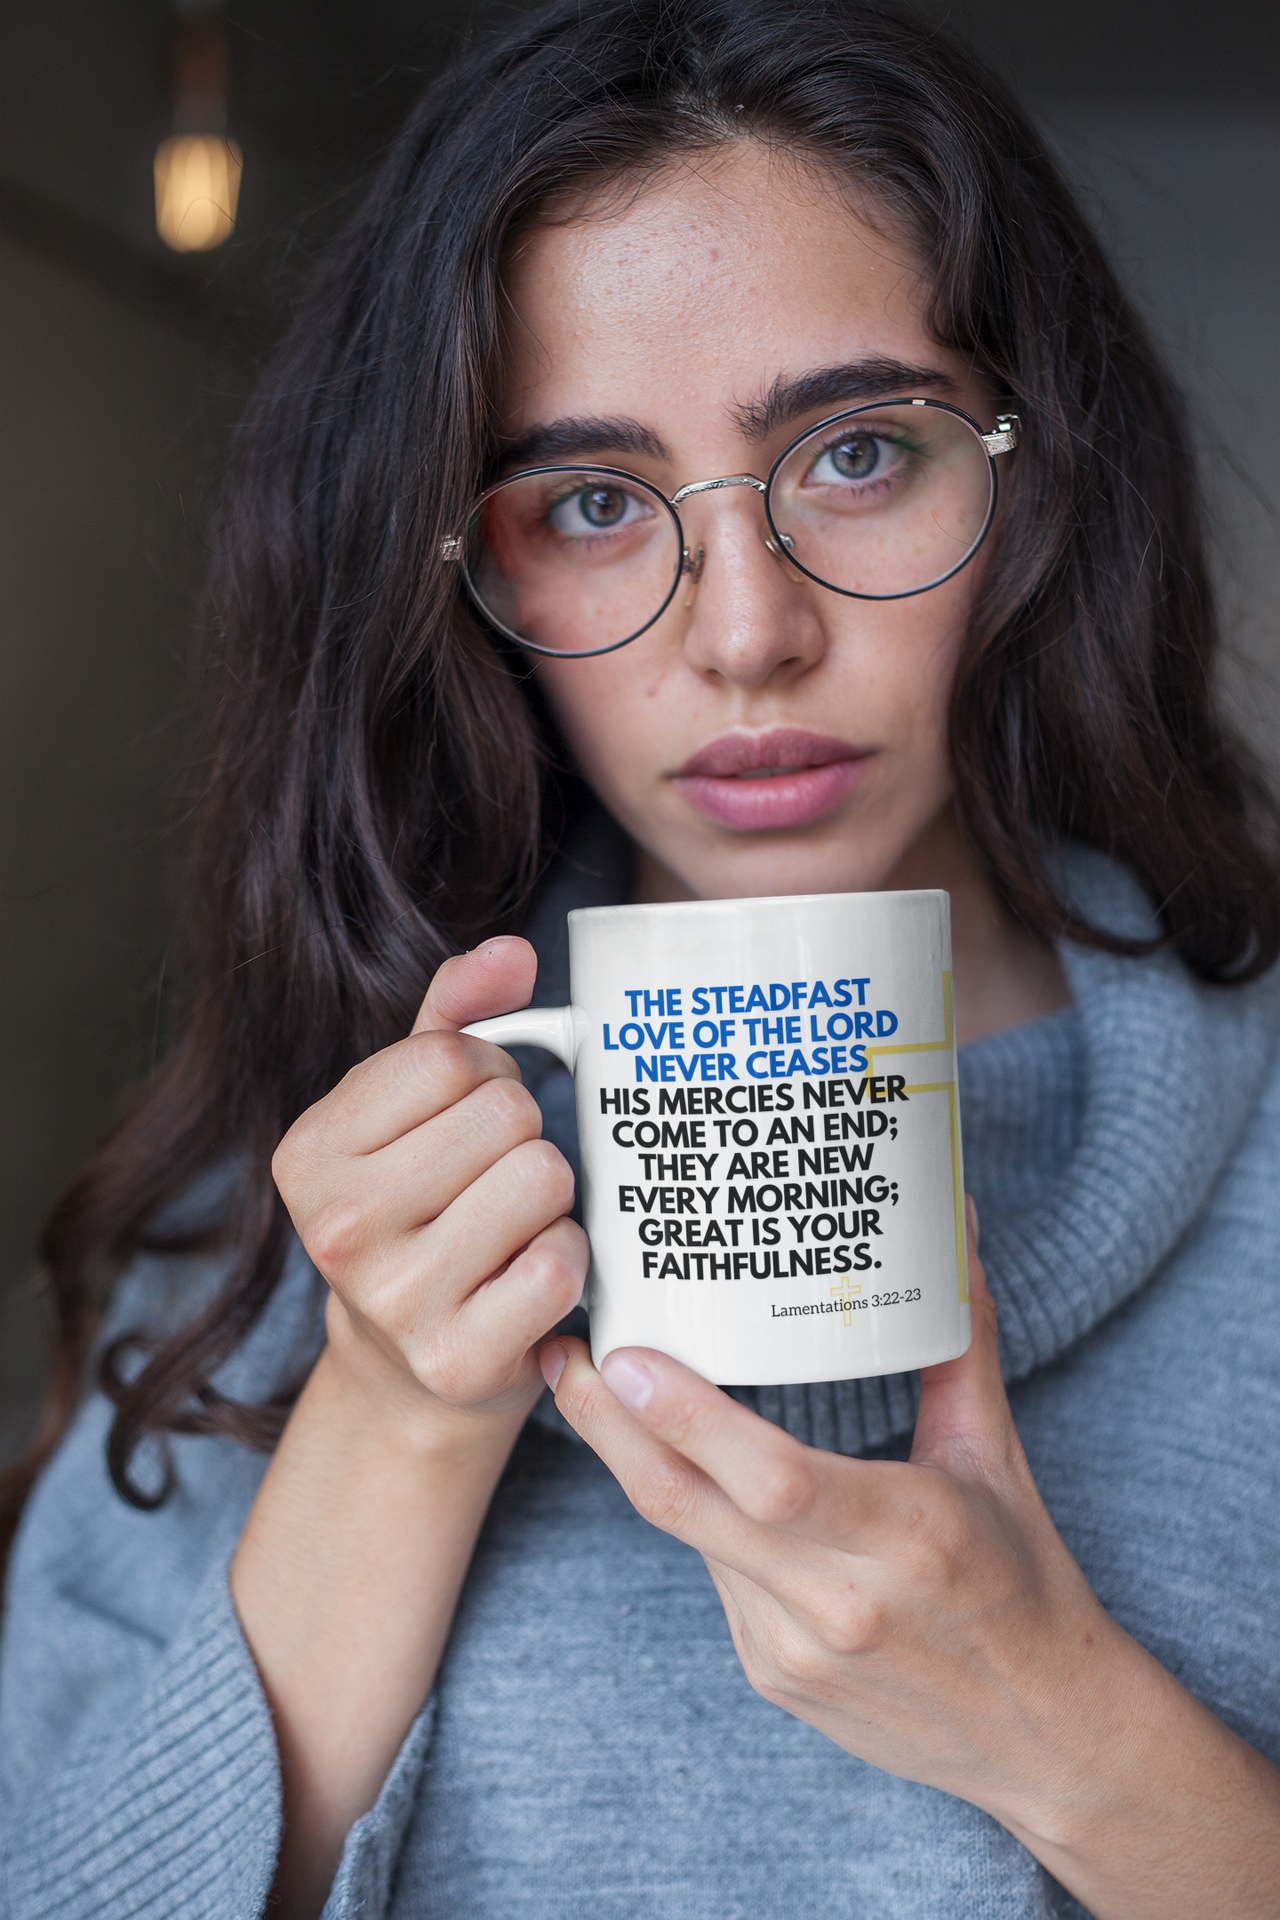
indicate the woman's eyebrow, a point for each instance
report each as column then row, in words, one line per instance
column 793, row 395
column 790, row 396
column 554, row 440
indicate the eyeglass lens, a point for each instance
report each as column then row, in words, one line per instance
column 882, row 502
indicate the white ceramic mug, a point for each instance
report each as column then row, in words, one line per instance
column 769, row 1132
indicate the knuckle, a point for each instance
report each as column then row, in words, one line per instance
column 492, row 1120
column 509, row 1108
column 664, row 1494
column 784, row 1492
column 844, row 1623
column 440, row 1055
column 552, row 1279
column 335, row 1238
column 547, row 1172
column 449, row 1064
column 575, row 1248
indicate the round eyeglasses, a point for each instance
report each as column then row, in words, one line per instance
column 880, row 502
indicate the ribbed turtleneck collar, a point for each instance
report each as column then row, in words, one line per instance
column 1092, row 1138
column 1170, row 1071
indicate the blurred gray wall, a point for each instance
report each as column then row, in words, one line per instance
column 92, row 615
column 1188, row 200
column 119, row 366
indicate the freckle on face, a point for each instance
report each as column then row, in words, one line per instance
column 677, row 309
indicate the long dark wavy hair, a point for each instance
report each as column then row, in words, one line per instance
column 374, row 790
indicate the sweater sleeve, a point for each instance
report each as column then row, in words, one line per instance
column 139, row 1776
column 365, row 1880
column 138, row 1771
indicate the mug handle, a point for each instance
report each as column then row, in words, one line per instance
column 559, row 1029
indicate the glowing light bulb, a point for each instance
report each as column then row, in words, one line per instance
column 197, row 190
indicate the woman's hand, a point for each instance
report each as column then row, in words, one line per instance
column 902, row 1608
column 927, row 1617
column 423, row 1192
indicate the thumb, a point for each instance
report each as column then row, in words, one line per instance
column 496, row 977
column 964, row 1409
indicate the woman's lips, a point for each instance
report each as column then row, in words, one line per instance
column 755, row 781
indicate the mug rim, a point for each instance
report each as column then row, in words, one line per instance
column 637, row 909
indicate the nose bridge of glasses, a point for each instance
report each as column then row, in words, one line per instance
column 693, row 559
column 712, row 486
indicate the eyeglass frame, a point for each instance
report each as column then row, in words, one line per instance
column 1003, row 440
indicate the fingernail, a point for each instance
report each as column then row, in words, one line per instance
column 971, row 1214
column 628, row 1381
column 552, row 1360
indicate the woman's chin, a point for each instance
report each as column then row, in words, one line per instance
column 754, row 866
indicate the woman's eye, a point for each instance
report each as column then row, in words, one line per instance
column 858, row 458
column 595, row 509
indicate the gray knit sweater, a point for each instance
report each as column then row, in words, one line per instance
column 592, row 1748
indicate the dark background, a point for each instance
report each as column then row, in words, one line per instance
column 121, row 366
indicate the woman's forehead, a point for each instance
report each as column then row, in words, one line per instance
column 707, row 288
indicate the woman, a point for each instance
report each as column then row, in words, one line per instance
column 931, row 1673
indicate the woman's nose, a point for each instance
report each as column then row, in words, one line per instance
column 749, row 616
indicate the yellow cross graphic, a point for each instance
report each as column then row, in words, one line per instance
column 837, row 1292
